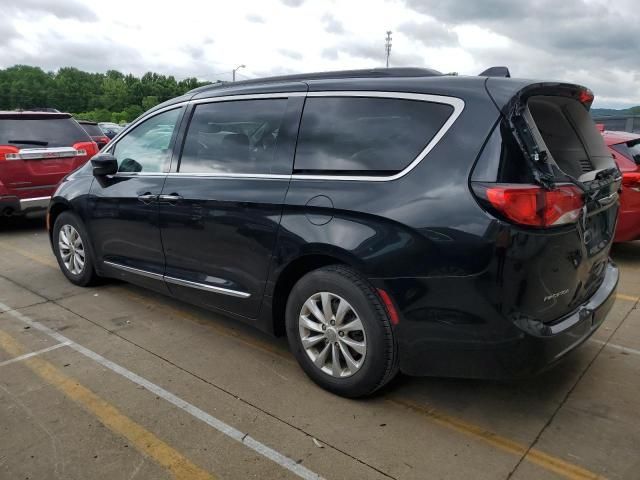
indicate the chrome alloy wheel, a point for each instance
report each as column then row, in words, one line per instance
column 71, row 249
column 332, row 334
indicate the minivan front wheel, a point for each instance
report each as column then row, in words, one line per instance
column 72, row 250
column 340, row 332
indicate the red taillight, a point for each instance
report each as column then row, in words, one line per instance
column 532, row 205
column 86, row 149
column 4, row 149
column 631, row 180
column 586, row 96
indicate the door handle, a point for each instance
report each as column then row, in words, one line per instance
column 172, row 198
column 147, row 197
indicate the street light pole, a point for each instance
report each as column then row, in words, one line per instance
column 387, row 45
column 236, row 69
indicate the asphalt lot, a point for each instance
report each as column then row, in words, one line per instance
column 119, row 382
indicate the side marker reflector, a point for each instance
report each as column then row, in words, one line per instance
column 391, row 308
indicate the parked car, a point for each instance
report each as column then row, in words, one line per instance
column 95, row 132
column 625, row 148
column 110, row 129
column 384, row 220
column 37, row 149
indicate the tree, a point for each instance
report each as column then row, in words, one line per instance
column 92, row 96
column 149, row 102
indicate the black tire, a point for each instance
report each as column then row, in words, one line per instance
column 380, row 363
column 87, row 276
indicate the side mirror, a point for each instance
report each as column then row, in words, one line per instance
column 104, row 164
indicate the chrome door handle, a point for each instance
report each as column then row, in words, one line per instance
column 173, row 198
column 147, row 197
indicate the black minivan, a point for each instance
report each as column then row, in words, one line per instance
column 384, row 220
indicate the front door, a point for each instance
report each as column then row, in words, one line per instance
column 124, row 208
column 220, row 211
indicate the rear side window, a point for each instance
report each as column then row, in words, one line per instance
column 351, row 135
column 33, row 133
column 233, row 137
column 92, row 129
column 630, row 150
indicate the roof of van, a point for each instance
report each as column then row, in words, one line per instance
column 333, row 75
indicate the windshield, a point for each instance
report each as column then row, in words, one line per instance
column 58, row 132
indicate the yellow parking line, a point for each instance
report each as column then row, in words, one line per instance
column 544, row 460
column 631, row 298
column 145, row 441
column 50, row 262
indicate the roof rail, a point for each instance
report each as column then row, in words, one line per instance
column 371, row 72
column 496, row 72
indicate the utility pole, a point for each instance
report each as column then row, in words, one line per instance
column 236, row 69
column 387, row 46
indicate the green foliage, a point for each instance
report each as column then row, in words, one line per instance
column 101, row 97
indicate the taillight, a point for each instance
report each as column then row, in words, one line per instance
column 631, row 180
column 7, row 149
column 586, row 97
column 86, row 148
column 533, row 205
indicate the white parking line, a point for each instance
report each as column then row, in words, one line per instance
column 33, row 354
column 617, row 347
column 210, row 420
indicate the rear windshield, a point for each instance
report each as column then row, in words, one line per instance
column 58, row 132
column 631, row 150
column 92, row 129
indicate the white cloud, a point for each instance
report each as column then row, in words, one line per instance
column 592, row 42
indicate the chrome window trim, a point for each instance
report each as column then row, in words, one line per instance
column 457, row 104
column 178, row 281
column 248, row 96
column 271, row 176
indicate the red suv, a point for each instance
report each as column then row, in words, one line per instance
column 37, row 149
column 625, row 148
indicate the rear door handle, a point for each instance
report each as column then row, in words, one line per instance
column 172, row 198
column 147, row 197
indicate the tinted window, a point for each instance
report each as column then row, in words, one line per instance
column 59, row 132
column 376, row 135
column 233, row 137
column 630, row 150
column 92, row 129
column 147, row 148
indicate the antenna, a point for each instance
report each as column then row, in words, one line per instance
column 387, row 45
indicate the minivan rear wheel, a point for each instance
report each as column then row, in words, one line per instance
column 340, row 332
column 72, row 250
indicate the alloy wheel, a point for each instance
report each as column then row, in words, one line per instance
column 332, row 334
column 72, row 250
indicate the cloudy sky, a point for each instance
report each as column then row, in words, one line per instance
column 592, row 42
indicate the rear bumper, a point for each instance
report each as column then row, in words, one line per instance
column 486, row 346
column 12, row 205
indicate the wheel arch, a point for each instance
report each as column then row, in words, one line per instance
column 290, row 274
column 55, row 209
